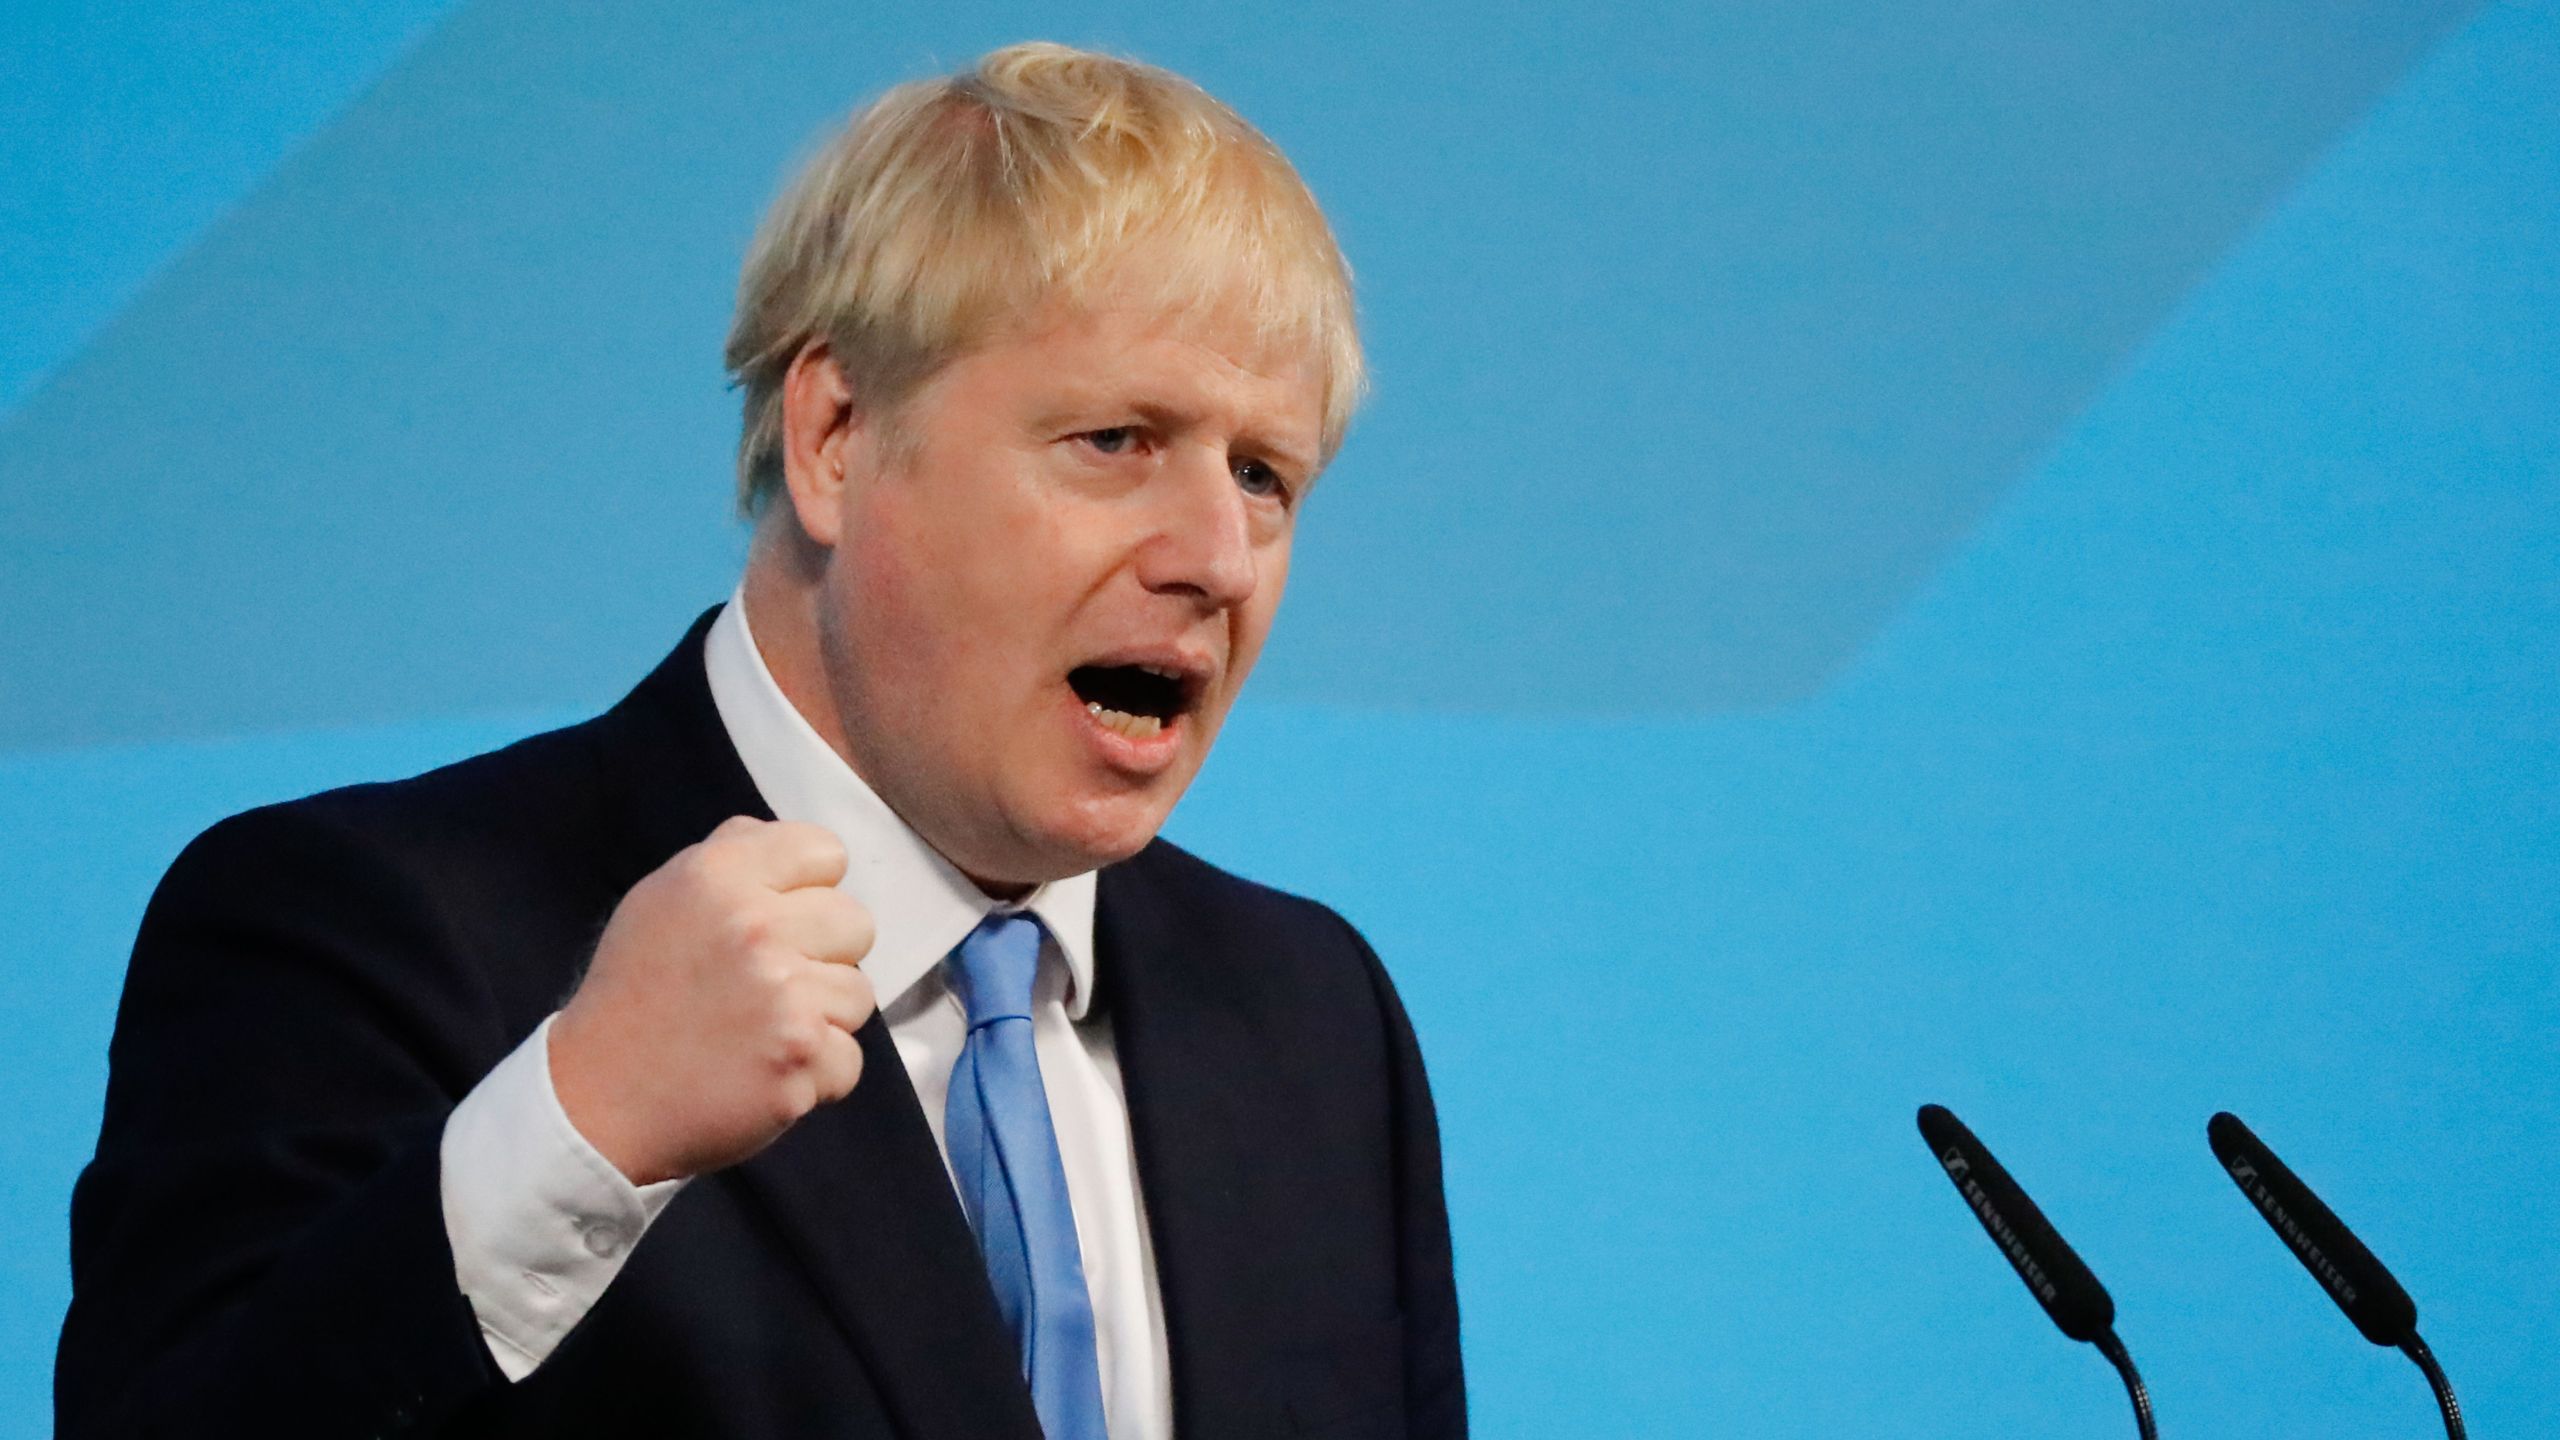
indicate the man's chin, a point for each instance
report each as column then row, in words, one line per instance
column 1096, row 831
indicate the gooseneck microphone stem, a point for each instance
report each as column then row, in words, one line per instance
column 2416, row 1349
column 2133, row 1382
column 2113, row 1348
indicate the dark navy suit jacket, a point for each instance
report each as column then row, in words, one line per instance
column 259, row 1246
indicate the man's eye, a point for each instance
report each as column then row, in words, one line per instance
column 1116, row 440
column 1258, row 479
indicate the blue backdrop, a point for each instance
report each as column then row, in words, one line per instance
column 1998, row 553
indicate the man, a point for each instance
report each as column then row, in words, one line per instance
column 820, row 1042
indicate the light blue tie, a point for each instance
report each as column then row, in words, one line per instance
column 1004, row 1153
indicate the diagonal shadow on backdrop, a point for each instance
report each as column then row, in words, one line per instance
column 1702, row 336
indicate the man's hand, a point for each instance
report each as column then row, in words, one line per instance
column 721, row 1004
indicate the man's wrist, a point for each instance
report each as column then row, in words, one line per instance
column 585, row 1101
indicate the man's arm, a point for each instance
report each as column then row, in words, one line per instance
column 266, row 1239
column 1426, row 1275
column 259, row 1246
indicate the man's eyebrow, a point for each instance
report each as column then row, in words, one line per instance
column 1258, row 443
column 1298, row 460
column 1075, row 409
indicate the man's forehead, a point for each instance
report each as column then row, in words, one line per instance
column 1224, row 322
column 1201, row 364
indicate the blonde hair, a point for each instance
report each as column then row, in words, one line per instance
column 952, row 207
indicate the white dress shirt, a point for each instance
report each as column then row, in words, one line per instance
column 541, row 1223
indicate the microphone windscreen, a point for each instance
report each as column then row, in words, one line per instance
column 2053, row 1274
column 2317, row 1238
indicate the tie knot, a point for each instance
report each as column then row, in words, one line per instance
column 994, row 967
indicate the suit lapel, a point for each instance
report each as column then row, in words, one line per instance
column 856, row 1191
column 1181, row 1051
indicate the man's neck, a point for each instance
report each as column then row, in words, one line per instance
column 781, row 590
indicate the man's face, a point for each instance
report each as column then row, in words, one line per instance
column 1050, row 582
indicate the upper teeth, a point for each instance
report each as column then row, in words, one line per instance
column 1160, row 672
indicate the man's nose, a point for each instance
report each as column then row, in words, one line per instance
column 1202, row 544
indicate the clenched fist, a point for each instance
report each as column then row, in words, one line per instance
column 721, row 1004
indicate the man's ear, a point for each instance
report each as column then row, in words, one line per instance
column 820, row 441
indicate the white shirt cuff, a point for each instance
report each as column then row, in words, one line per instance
column 540, row 1223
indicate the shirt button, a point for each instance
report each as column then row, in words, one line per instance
column 604, row 1241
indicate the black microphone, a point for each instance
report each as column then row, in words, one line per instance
column 2079, row 1305
column 2347, row 1271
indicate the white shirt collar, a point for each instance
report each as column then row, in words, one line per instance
column 921, row 906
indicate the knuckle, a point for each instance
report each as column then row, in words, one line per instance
column 658, row 886
column 798, row 1003
column 795, row 1048
column 748, row 928
column 766, row 970
column 784, row 1011
column 696, row 871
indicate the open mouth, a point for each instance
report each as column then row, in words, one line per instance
column 1137, row 701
